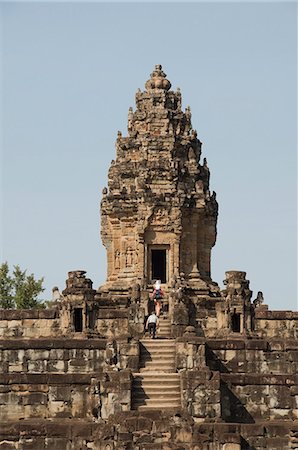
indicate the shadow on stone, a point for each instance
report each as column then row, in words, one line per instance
column 139, row 398
column 246, row 446
column 213, row 361
column 145, row 356
column 232, row 410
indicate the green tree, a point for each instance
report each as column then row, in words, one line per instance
column 19, row 290
column 6, row 287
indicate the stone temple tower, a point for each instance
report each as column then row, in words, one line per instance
column 158, row 217
column 87, row 373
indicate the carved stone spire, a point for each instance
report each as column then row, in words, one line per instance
column 158, row 193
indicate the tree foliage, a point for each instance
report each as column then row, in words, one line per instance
column 19, row 290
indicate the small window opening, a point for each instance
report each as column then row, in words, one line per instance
column 235, row 322
column 78, row 319
column 159, row 265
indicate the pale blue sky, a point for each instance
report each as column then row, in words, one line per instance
column 69, row 74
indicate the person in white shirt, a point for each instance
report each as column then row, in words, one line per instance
column 152, row 324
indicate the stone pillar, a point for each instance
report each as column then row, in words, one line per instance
column 194, row 251
column 176, row 257
column 141, row 261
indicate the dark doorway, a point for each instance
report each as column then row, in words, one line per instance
column 159, row 265
column 235, row 322
column 78, row 319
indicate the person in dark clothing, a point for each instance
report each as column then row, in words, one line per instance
column 152, row 324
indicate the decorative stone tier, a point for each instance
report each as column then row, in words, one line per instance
column 144, row 431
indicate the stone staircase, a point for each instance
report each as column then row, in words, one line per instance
column 157, row 355
column 156, row 385
column 164, row 329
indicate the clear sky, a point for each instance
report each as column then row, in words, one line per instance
column 69, row 74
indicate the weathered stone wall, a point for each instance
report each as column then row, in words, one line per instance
column 144, row 431
column 52, row 355
column 250, row 398
column 280, row 324
column 67, row 356
column 111, row 393
column 44, row 396
column 261, row 356
column 33, row 324
column 112, row 323
column 201, row 395
column 190, row 353
column 254, row 379
column 29, row 323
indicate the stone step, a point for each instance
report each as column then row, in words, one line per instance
column 152, row 376
column 157, row 361
column 154, row 366
column 162, row 335
column 169, row 408
column 168, row 396
column 158, row 342
column 157, row 345
column 157, row 358
column 153, row 369
column 156, row 389
column 158, row 353
column 157, row 405
column 155, row 382
column 158, row 401
column 162, row 349
column 157, row 386
column 152, row 361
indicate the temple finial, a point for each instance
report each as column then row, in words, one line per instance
column 158, row 79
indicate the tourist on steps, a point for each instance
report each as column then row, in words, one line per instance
column 157, row 297
column 152, row 324
column 157, row 305
column 157, row 292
